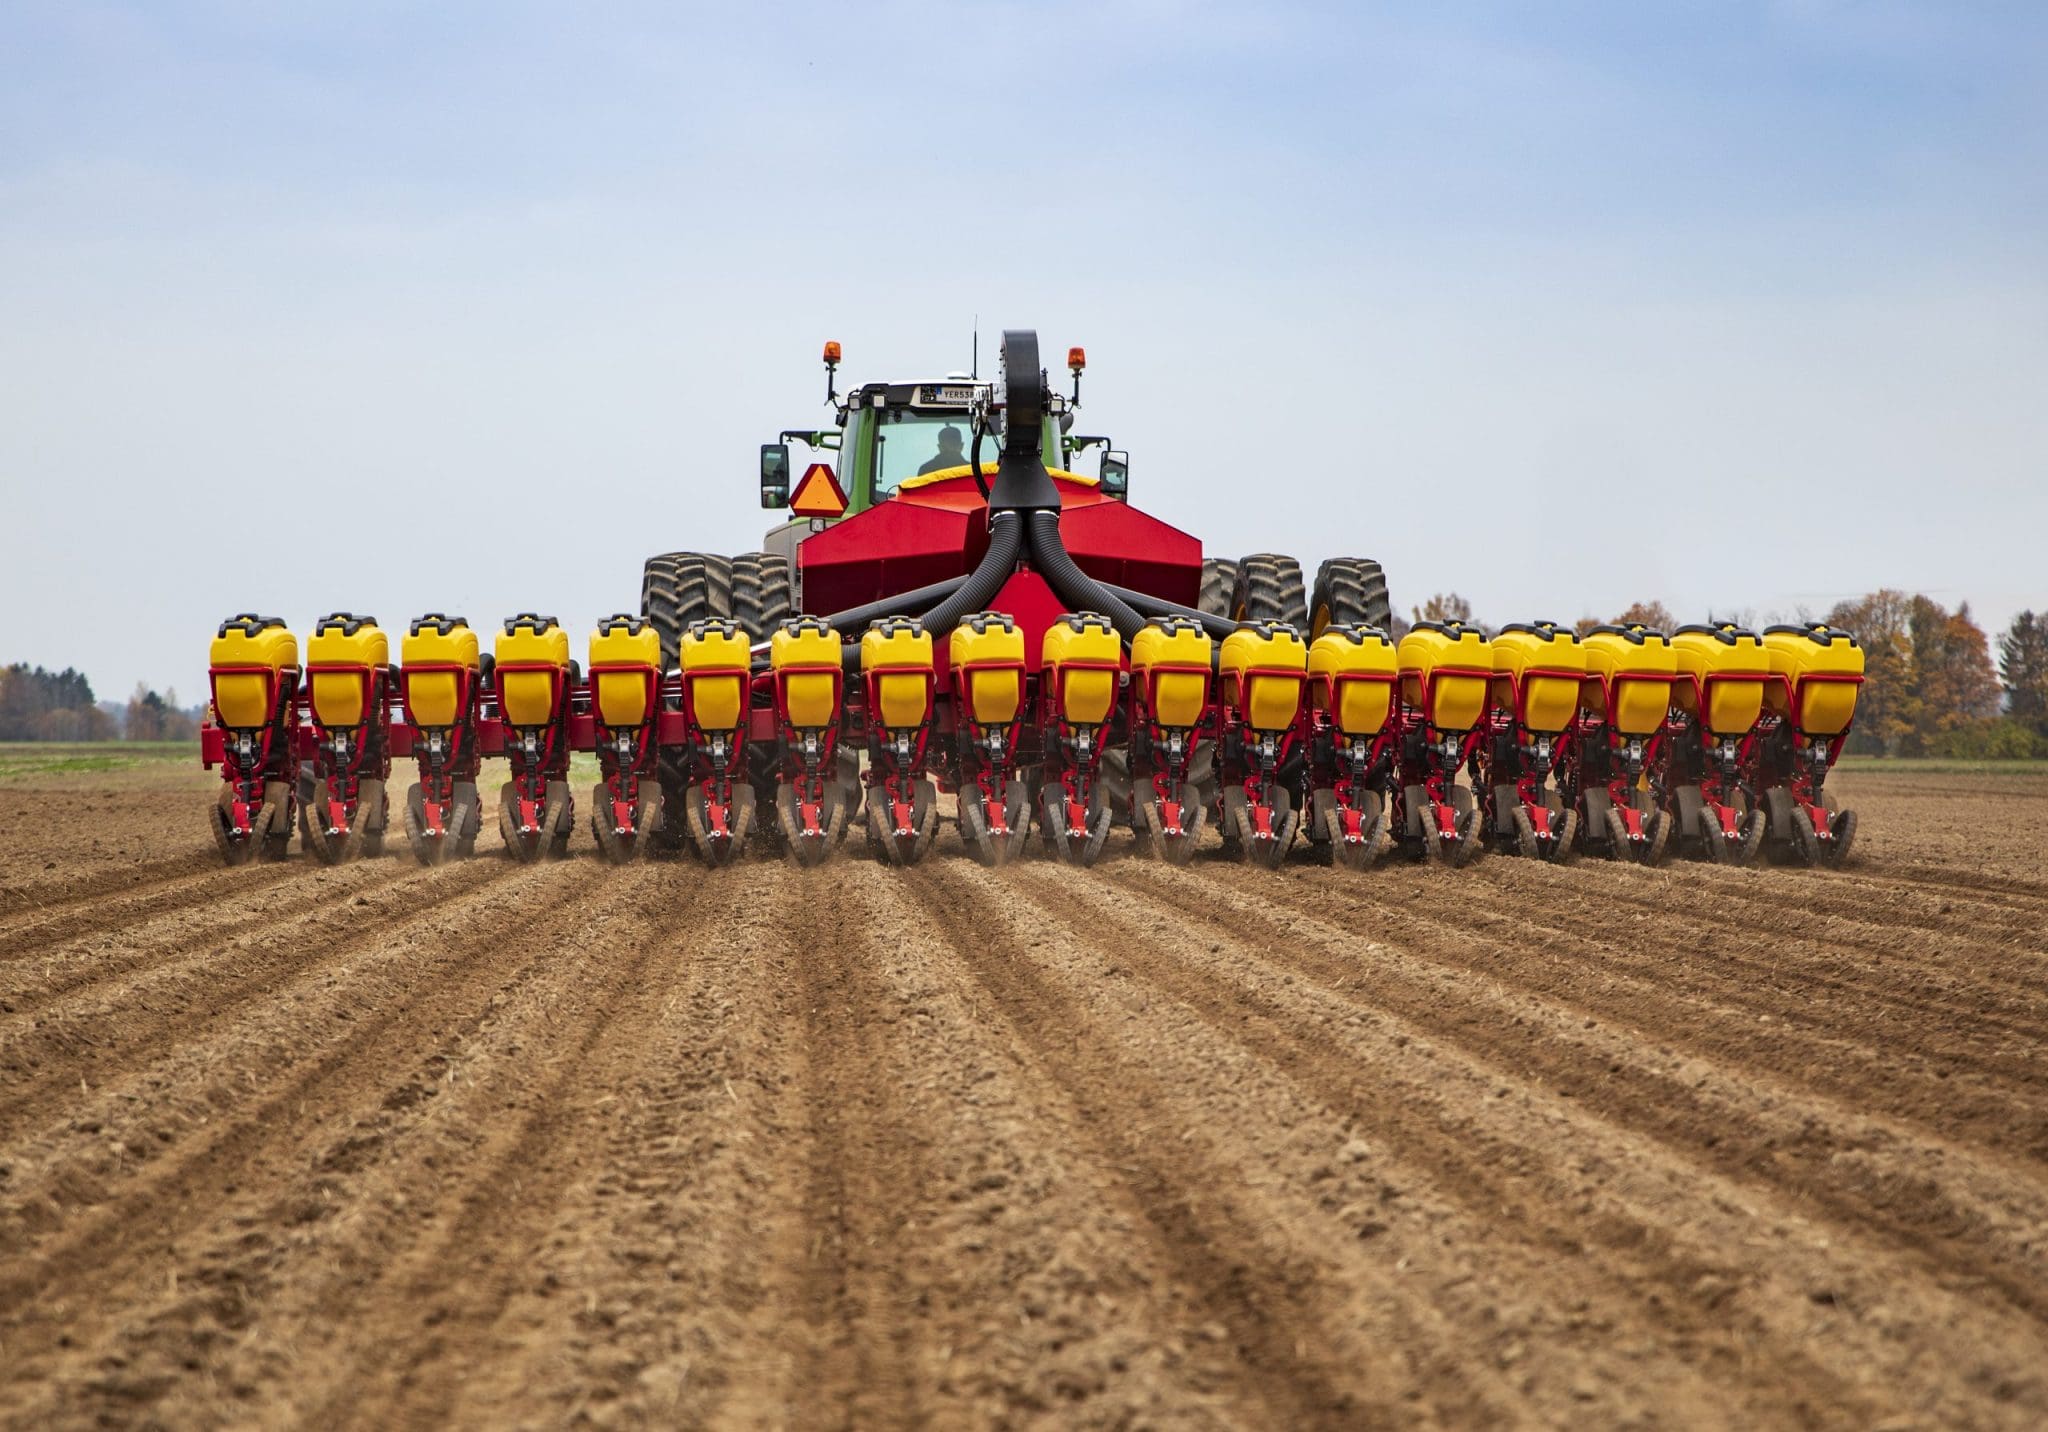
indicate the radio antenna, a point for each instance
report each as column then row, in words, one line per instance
column 975, row 372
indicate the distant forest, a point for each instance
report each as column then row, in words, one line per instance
column 39, row 705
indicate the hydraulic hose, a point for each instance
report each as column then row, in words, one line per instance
column 1005, row 544
column 1076, row 588
column 909, row 604
column 1153, row 606
column 974, row 458
column 854, row 620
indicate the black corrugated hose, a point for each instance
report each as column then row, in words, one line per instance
column 1005, row 544
column 1081, row 592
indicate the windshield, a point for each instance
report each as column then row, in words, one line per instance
column 908, row 442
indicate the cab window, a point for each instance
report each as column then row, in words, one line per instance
column 909, row 443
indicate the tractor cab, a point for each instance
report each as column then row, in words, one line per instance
column 892, row 438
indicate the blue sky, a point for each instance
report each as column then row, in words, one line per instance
column 396, row 307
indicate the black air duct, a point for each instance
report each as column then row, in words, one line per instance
column 909, row 604
column 1022, row 483
column 1005, row 545
column 1081, row 592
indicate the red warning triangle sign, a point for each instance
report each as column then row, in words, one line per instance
column 818, row 493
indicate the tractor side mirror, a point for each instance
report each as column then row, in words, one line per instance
column 1116, row 475
column 774, row 475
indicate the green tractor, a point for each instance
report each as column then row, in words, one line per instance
column 907, row 442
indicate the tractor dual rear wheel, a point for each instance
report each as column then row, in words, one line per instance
column 1350, row 591
column 1269, row 589
column 1219, row 586
column 763, row 593
column 679, row 588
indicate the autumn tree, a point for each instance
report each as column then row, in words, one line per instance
column 1445, row 607
column 1951, row 683
column 1879, row 624
column 2023, row 668
column 153, row 717
column 145, row 715
column 1654, row 615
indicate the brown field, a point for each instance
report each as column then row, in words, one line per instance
column 501, row 1146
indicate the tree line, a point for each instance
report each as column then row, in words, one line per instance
column 40, row 705
column 1932, row 685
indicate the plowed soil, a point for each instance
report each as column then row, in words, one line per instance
column 504, row 1146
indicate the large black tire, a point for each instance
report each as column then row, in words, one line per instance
column 1269, row 589
column 1350, row 591
column 1219, row 583
column 763, row 596
column 678, row 588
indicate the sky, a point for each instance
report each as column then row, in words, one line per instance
column 471, row 307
